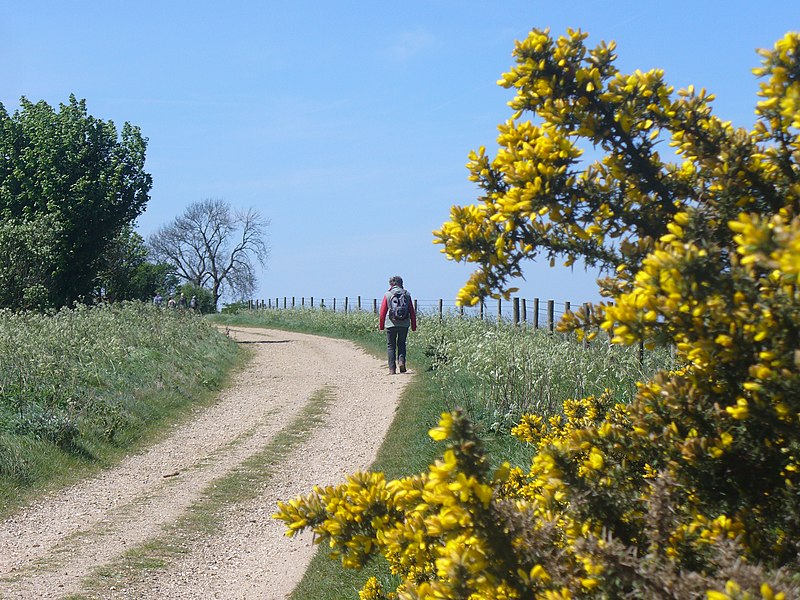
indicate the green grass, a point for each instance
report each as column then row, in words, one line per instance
column 80, row 388
column 498, row 373
column 495, row 372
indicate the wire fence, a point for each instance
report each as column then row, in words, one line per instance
column 533, row 311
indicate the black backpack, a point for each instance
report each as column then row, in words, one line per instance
column 398, row 306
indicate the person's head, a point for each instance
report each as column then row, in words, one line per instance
column 395, row 281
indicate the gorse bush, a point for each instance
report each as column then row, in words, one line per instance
column 691, row 489
column 80, row 378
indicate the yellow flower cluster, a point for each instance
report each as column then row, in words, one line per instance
column 439, row 531
column 734, row 592
column 373, row 590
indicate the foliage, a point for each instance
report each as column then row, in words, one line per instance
column 212, row 246
column 84, row 379
column 690, row 490
column 75, row 171
column 205, row 299
column 27, row 247
column 126, row 273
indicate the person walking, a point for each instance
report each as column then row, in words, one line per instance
column 397, row 314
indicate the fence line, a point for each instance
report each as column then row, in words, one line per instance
column 521, row 310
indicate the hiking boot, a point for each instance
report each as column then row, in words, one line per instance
column 402, row 365
column 392, row 371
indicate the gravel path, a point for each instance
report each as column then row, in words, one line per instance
column 47, row 550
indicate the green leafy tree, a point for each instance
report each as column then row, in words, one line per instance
column 27, row 249
column 205, row 299
column 691, row 489
column 213, row 246
column 126, row 273
column 80, row 172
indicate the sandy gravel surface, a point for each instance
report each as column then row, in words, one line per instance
column 48, row 549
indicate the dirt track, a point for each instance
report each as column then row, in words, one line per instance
column 47, row 550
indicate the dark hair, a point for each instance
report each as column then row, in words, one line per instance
column 396, row 280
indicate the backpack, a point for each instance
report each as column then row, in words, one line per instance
column 398, row 306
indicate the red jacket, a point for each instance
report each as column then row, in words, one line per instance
column 385, row 309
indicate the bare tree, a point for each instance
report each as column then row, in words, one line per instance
column 214, row 246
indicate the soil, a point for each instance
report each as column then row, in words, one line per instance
column 49, row 548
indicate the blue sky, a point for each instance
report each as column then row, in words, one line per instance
column 348, row 124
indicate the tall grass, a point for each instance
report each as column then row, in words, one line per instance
column 497, row 373
column 80, row 384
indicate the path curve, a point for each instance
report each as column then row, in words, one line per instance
column 48, row 549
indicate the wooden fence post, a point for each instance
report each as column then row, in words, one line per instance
column 359, row 304
column 482, row 310
column 536, row 313
column 524, row 311
column 499, row 310
column 334, row 305
column 515, row 312
column 440, row 309
column 312, row 301
column 587, row 308
column 550, row 315
column 375, row 305
column 345, row 305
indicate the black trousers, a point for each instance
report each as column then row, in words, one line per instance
column 396, row 345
